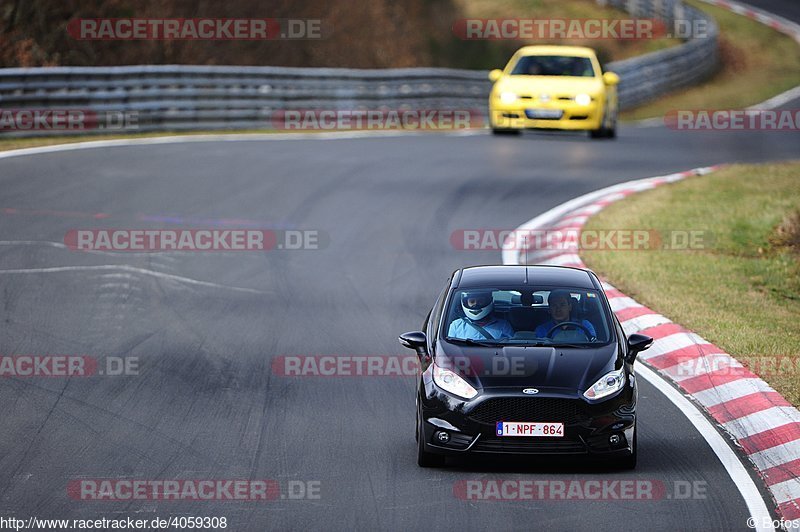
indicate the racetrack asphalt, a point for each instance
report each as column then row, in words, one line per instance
column 206, row 404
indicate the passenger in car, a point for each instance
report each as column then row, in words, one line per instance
column 560, row 304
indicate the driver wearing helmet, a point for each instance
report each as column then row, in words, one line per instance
column 479, row 322
column 560, row 303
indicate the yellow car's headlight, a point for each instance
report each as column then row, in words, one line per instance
column 508, row 97
column 583, row 99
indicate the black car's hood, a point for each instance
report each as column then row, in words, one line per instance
column 545, row 368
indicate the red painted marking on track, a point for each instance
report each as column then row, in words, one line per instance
column 633, row 312
column 613, row 292
column 746, row 405
column 782, row 473
column 771, row 438
column 790, row 510
column 685, row 354
column 661, row 331
column 713, row 379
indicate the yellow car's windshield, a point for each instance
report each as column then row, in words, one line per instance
column 554, row 65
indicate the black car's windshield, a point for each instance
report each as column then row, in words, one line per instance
column 554, row 65
column 529, row 316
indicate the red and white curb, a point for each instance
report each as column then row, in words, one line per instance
column 778, row 23
column 775, row 22
column 762, row 423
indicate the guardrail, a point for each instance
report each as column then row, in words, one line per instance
column 649, row 76
column 170, row 97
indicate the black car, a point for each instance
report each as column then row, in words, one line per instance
column 525, row 360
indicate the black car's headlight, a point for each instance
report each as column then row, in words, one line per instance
column 451, row 382
column 608, row 384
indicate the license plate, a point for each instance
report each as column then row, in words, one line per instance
column 544, row 114
column 546, row 430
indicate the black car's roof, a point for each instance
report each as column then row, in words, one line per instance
column 483, row 276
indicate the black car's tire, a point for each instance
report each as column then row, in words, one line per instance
column 424, row 458
column 629, row 462
column 499, row 131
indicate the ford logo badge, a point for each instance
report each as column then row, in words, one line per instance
column 530, row 391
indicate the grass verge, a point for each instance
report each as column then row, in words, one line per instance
column 742, row 292
column 757, row 63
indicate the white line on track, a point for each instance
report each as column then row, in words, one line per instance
column 131, row 269
column 739, row 475
column 229, row 137
column 779, row 100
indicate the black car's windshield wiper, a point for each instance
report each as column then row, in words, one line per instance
column 578, row 346
column 470, row 341
column 534, row 344
column 546, row 344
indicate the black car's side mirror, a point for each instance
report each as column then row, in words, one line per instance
column 636, row 344
column 417, row 341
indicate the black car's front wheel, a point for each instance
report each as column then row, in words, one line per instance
column 425, row 458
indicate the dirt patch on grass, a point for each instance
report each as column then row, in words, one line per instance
column 786, row 236
column 732, row 58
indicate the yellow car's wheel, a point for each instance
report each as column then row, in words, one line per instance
column 501, row 131
column 605, row 131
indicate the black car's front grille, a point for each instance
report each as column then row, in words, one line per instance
column 527, row 445
column 526, row 409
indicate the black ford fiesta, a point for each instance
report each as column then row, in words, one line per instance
column 525, row 360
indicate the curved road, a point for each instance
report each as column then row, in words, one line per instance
column 206, row 405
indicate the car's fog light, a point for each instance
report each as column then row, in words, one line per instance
column 442, row 436
column 614, row 440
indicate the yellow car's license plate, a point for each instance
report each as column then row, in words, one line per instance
column 544, row 114
column 515, row 428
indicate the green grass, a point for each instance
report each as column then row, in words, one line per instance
column 742, row 292
column 757, row 63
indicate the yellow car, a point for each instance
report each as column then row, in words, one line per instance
column 554, row 87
